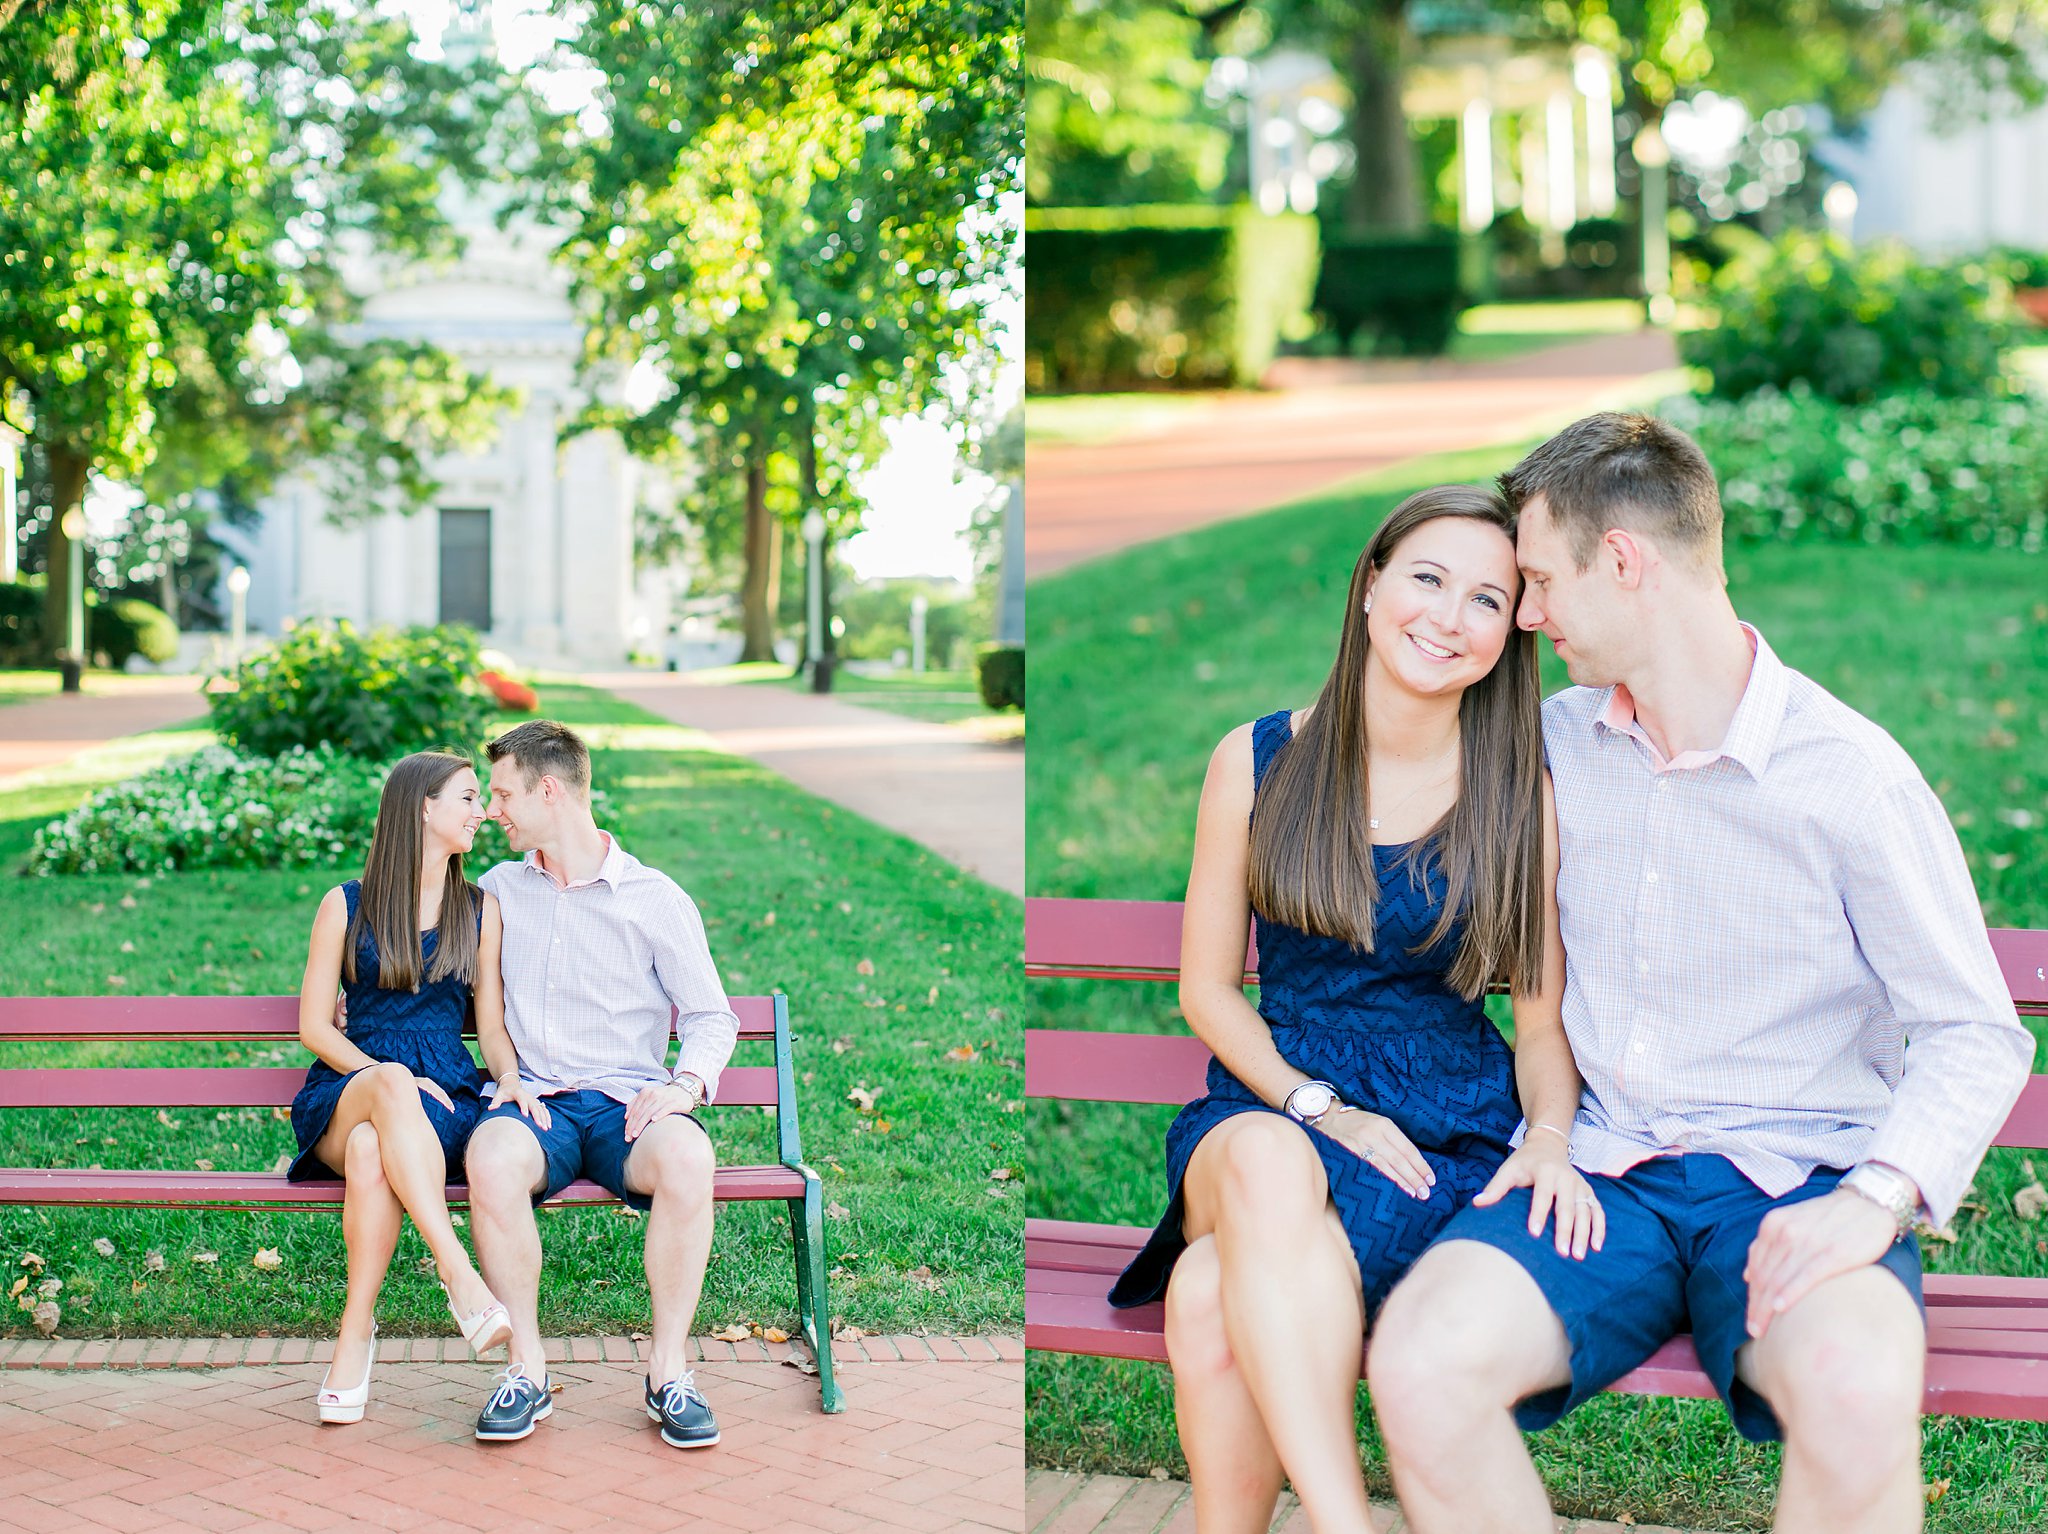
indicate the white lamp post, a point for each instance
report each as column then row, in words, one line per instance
column 918, row 608
column 814, row 601
column 238, row 612
column 1653, row 156
column 75, row 657
column 1839, row 204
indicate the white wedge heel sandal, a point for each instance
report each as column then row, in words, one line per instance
column 347, row 1405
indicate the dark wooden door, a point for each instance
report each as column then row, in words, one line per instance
column 466, row 567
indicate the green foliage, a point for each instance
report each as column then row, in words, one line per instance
column 21, row 624
column 219, row 808
column 377, row 695
column 1403, row 292
column 1142, row 297
column 877, row 616
column 1000, row 671
column 1851, row 324
column 131, row 626
column 1908, row 468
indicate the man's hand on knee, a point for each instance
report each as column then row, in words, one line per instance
column 1805, row 1244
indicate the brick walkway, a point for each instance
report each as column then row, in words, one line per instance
column 45, row 731
column 220, row 1435
column 1322, row 425
column 1063, row 1502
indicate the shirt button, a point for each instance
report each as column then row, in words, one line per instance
column 1636, row 1048
column 1650, row 877
column 1642, row 966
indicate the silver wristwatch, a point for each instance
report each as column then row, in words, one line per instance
column 1891, row 1191
column 689, row 1082
column 1310, row 1101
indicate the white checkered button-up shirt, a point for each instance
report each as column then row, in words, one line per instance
column 1773, row 951
column 595, row 970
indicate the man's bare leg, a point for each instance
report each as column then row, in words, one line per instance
column 506, row 1168
column 1844, row 1371
column 672, row 1161
column 1465, row 1336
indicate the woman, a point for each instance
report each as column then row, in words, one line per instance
column 389, row 1104
column 1400, row 857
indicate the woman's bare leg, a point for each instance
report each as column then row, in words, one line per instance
column 1291, row 1296
column 387, row 1097
column 1235, row 1469
column 370, row 1220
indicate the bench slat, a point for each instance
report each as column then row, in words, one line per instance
column 153, row 1189
column 1140, row 940
column 177, row 1018
column 255, row 1086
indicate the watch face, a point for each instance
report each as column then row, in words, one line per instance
column 1310, row 1100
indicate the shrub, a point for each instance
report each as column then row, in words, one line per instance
column 1851, row 325
column 1000, row 670
column 1142, row 297
column 118, row 630
column 21, row 624
column 223, row 808
column 218, row 809
column 376, row 695
column 1908, row 468
column 1404, row 292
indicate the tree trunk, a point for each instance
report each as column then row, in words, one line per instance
column 68, row 471
column 763, row 582
column 1385, row 195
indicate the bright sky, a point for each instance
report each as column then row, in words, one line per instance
column 917, row 510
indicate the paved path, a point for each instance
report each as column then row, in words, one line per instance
column 1321, row 425
column 1063, row 1502
column 963, row 798
column 45, row 731
column 929, row 1445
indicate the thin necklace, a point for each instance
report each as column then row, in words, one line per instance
column 1373, row 821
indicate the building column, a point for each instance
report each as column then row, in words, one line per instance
column 1563, row 162
column 1475, row 165
column 537, row 552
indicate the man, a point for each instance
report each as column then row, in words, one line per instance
column 1776, row 973
column 598, row 948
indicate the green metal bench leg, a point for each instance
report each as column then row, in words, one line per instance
column 814, row 1301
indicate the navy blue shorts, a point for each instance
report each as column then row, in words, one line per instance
column 585, row 1137
column 1679, row 1229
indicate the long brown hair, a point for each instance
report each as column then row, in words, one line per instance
column 1311, row 848
column 389, row 906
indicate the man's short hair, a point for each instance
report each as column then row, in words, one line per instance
column 541, row 747
column 1623, row 470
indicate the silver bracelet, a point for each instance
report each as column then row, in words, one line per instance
column 1562, row 1134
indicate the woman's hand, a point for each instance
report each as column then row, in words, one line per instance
column 1543, row 1166
column 1379, row 1141
column 433, row 1089
column 513, row 1090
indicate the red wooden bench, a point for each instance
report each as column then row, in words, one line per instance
column 1987, row 1337
column 144, row 1020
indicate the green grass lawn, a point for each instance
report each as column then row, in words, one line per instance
column 1493, row 332
column 890, row 956
column 20, row 686
column 1142, row 661
column 937, row 697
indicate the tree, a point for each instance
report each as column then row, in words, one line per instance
column 180, row 181
column 788, row 213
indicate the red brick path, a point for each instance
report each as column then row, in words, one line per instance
column 933, row 1444
column 1064, row 1502
column 45, row 731
column 1327, row 424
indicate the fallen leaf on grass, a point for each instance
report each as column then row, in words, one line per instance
column 2030, row 1201
column 284, row 1164
column 20, row 1284
column 49, row 1287
column 963, row 1053
column 103, row 1246
column 1158, row 1473
column 163, row 1117
column 32, row 1262
column 861, row 1098
column 1936, row 1490
column 836, row 1211
column 127, row 948
column 203, row 1164
column 922, row 1277
column 47, row 1315
column 848, row 1334
column 865, row 967
column 1001, row 1174
column 154, row 1262
column 206, row 1259
column 129, row 902
column 841, row 1045
column 733, row 1333
column 267, row 1259
column 775, row 1334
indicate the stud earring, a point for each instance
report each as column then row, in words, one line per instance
column 1368, row 604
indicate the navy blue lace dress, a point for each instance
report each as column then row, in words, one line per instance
column 1392, row 1037
column 421, row 1030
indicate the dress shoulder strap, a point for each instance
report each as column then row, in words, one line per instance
column 1268, row 736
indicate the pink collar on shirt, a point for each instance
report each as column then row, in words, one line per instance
column 1751, row 732
column 608, row 872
